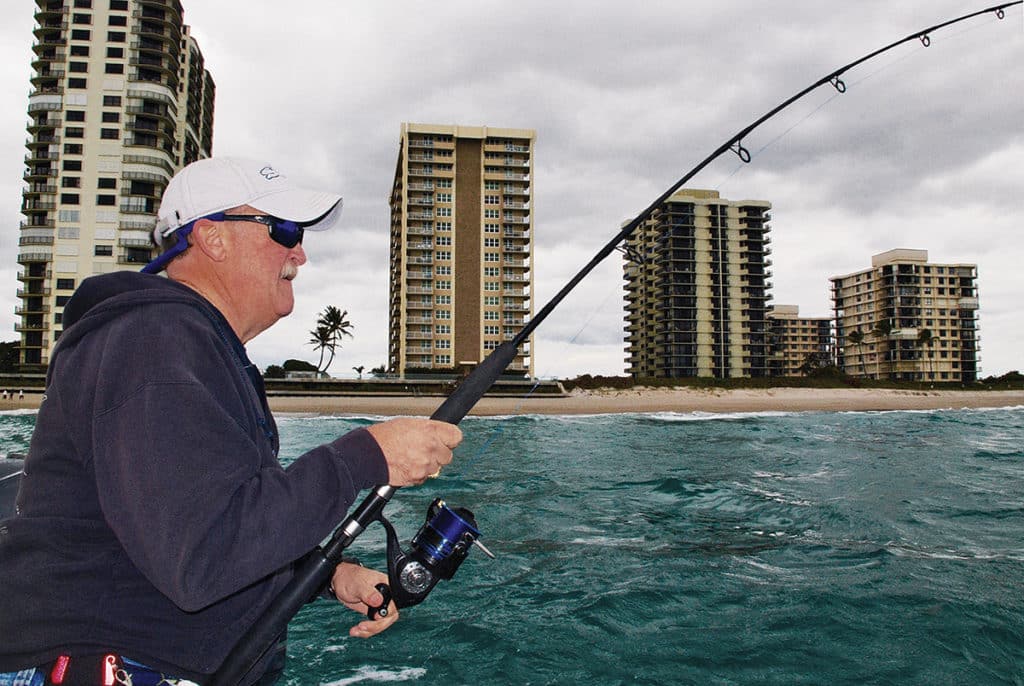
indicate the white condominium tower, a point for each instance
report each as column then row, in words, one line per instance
column 120, row 100
column 461, row 247
column 907, row 319
column 696, row 288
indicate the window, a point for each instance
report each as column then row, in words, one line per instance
column 76, row 83
column 444, row 212
column 442, row 300
column 110, row 134
column 115, row 52
column 443, row 329
column 62, row 300
column 65, row 284
column 80, row 34
column 103, row 250
column 75, row 115
column 492, row 228
column 112, row 100
column 443, row 285
column 106, row 183
column 117, row 20
column 443, row 344
column 492, row 200
column 491, row 214
column 442, row 359
column 115, row 36
column 492, row 271
column 119, row 5
column 491, row 242
column 111, row 117
column 491, row 286
column 81, row 18
column 72, row 165
column 490, row 257
column 444, row 226
column 71, row 182
column 87, row 4
column 74, row 132
column 68, row 216
column 113, row 68
column 444, row 183
column 79, row 50
column 72, row 148
column 443, row 197
column 490, row 345
column 78, row 67
column 69, row 198
column 492, row 300
column 444, row 270
column 442, row 314
column 490, row 315
column 491, row 185
column 492, row 330
column 445, row 255
column 106, row 200
column 443, row 240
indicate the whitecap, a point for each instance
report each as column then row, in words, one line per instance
column 368, row 673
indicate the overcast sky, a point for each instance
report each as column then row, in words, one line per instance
column 925, row 149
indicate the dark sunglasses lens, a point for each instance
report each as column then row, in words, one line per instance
column 286, row 233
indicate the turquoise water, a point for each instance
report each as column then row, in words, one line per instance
column 808, row 548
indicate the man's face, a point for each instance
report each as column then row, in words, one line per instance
column 265, row 270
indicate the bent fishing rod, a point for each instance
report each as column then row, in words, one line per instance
column 448, row 534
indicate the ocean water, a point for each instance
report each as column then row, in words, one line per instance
column 772, row 548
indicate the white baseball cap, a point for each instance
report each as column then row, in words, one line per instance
column 217, row 184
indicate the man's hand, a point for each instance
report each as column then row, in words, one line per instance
column 354, row 588
column 415, row 449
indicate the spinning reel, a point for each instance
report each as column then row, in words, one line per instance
column 435, row 553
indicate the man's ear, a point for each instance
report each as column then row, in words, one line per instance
column 211, row 238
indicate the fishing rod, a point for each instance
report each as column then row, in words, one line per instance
column 446, row 537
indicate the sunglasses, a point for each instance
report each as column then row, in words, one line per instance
column 282, row 231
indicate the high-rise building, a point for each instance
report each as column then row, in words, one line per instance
column 907, row 319
column 120, row 100
column 797, row 344
column 697, row 287
column 461, row 247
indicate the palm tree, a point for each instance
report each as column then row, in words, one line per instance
column 326, row 337
column 856, row 339
column 359, row 370
column 925, row 338
column 881, row 331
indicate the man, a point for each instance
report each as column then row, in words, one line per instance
column 154, row 521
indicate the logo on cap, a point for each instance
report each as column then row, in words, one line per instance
column 269, row 173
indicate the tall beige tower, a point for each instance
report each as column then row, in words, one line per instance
column 120, row 100
column 907, row 319
column 461, row 247
column 697, row 288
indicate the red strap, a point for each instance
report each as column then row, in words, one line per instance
column 60, row 668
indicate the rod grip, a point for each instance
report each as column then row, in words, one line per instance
column 461, row 401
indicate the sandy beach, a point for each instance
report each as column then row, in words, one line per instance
column 604, row 401
column 666, row 400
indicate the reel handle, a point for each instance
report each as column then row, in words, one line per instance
column 382, row 609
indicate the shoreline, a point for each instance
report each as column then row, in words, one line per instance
column 638, row 400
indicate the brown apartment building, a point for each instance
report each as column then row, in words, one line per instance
column 461, row 247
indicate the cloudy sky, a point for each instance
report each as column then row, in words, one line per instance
column 924, row 150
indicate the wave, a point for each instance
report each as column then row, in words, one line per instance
column 372, row 674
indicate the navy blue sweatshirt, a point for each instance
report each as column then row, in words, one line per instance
column 154, row 518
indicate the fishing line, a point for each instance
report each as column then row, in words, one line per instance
column 312, row 573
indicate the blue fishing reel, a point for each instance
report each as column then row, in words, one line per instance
column 436, row 551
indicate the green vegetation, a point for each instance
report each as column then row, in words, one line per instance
column 823, row 377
